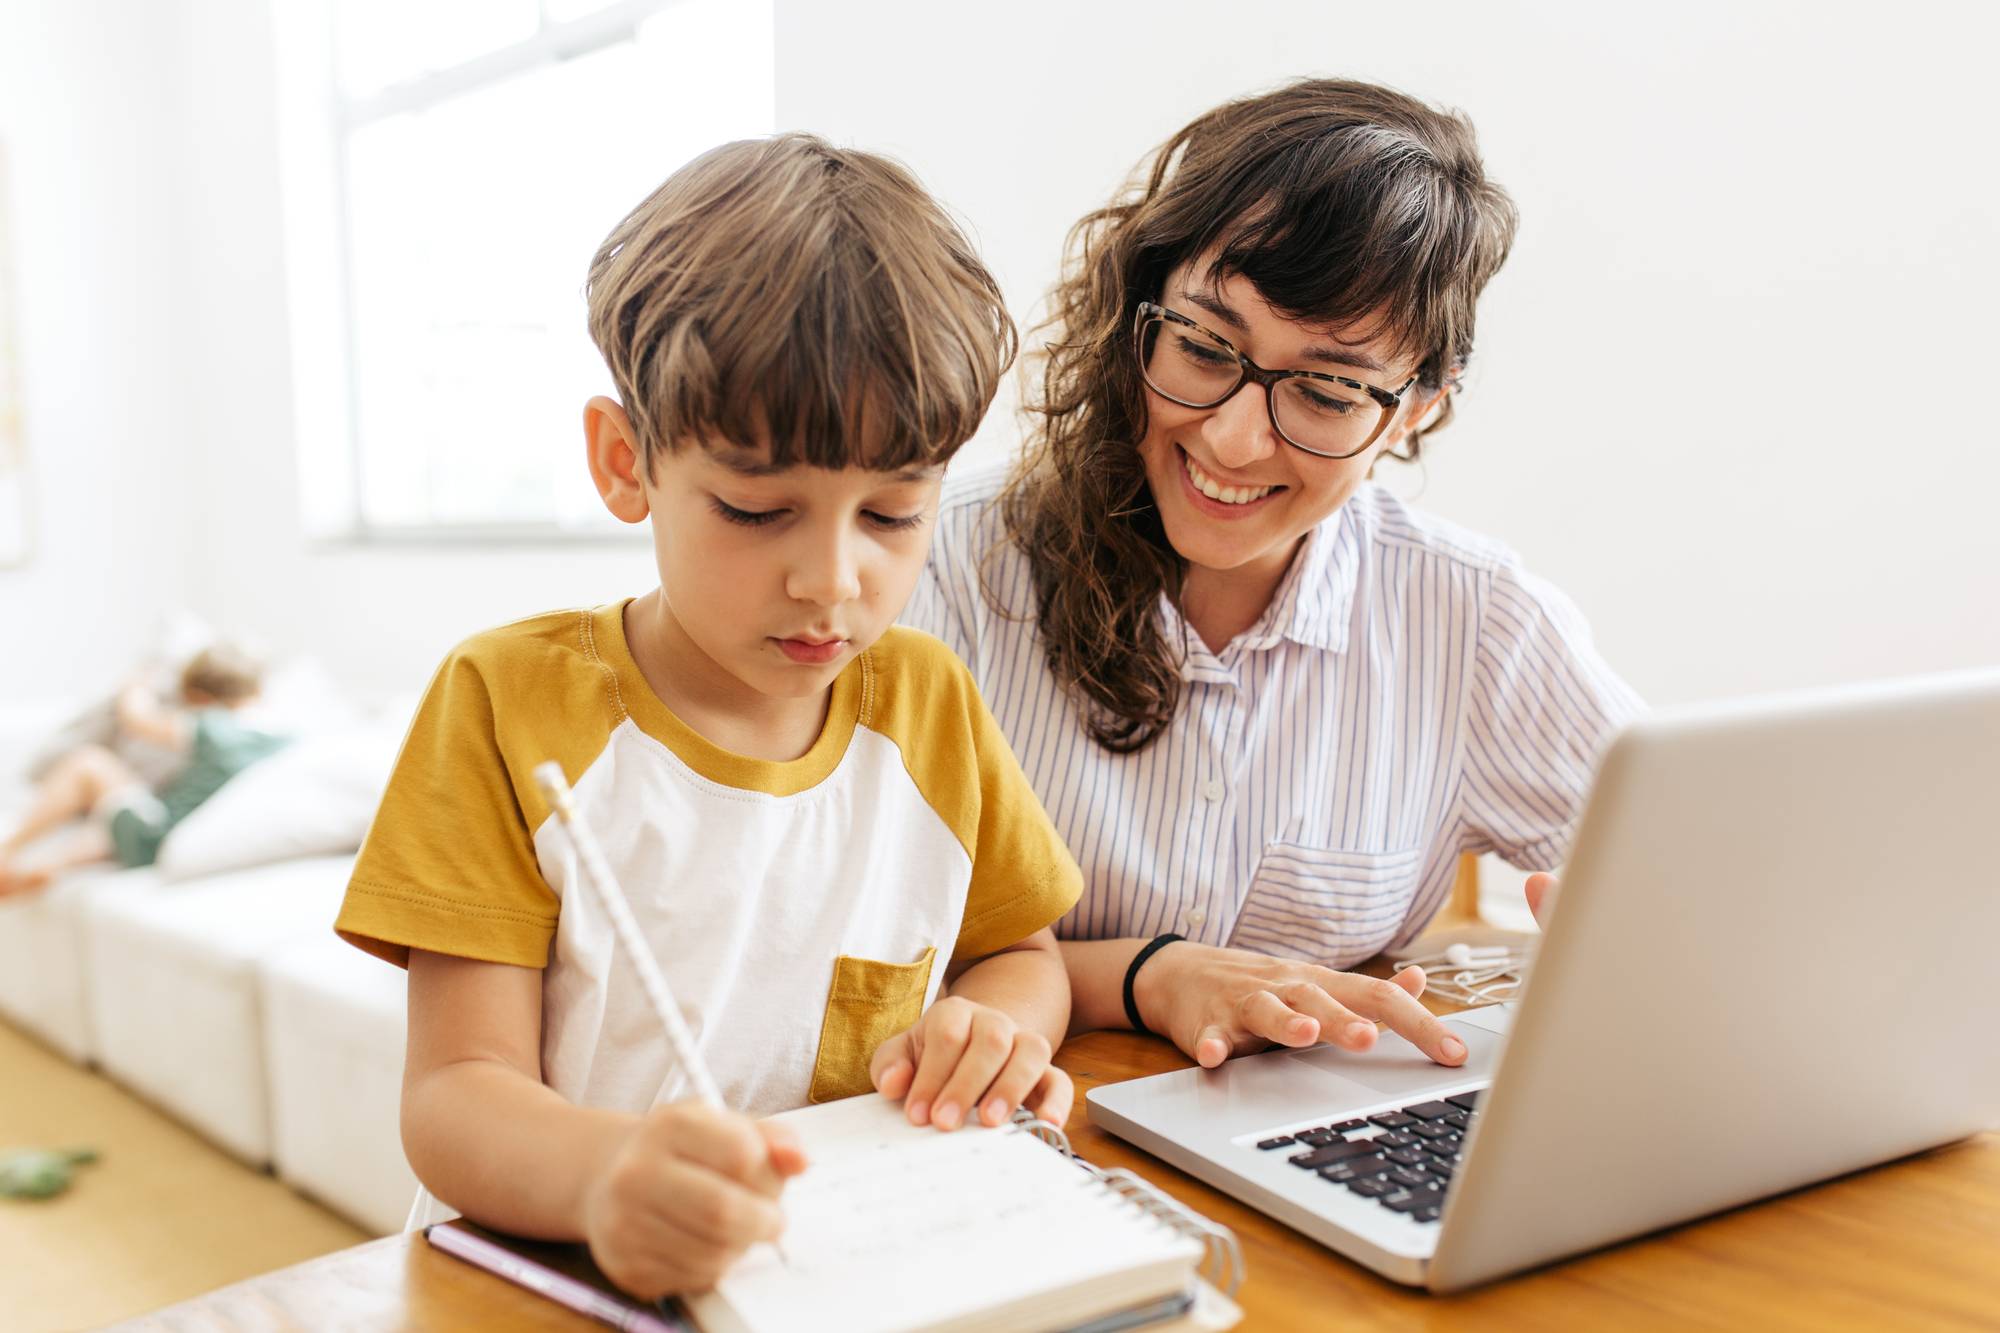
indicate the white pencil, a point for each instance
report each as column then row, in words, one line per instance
column 597, row 874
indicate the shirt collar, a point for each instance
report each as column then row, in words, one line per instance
column 1310, row 606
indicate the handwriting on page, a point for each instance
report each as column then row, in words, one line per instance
column 918, row 1227
column 930, row 1194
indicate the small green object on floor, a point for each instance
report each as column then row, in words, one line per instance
column 37, row 1173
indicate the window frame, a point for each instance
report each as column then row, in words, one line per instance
column 553, row 42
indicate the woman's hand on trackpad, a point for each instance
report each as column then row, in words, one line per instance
column 1214, row 1003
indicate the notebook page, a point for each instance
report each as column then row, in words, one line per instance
column 893, row 1226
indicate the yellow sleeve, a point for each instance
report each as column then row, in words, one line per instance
column 1023, row 877
column 449, row 863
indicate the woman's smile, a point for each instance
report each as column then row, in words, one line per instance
column 1234, row 498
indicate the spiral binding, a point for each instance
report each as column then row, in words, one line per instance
column 1222, row 1256
column 1028, row 1122
column 1222, row 1261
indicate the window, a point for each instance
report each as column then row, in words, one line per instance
column 484, row 149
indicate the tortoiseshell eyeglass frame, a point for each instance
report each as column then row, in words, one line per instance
column 1249, row 372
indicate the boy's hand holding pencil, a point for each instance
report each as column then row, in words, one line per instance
column 684, row 1195
column 694, row 1184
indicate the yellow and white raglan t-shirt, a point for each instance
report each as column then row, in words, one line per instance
column 802, row 912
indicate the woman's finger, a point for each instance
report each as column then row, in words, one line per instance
column 1211, row 1047
column 1392, row 1004
column 1538, row 887
column 1334, row 1021
column 1262, row 1015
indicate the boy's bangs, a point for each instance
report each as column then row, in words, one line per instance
column 833, row 411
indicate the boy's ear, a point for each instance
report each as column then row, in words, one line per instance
column 614, row 459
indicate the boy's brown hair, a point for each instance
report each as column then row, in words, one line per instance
column 786, row 291
column 224, row 673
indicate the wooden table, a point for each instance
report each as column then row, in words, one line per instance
column 1915, row 1244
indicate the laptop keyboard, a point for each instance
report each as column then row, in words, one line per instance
column 1404, row 1160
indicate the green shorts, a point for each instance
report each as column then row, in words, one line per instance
column 138, row 824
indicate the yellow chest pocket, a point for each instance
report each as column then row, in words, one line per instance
column 868, row 1003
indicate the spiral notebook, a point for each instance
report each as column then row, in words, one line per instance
column 895, row 1227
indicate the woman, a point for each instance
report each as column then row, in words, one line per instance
column 1267, row 705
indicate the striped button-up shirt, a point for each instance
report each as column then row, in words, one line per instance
column 1411, row 693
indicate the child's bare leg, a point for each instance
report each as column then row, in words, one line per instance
column 79, row 780
column 21, row 877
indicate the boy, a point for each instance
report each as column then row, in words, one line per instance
column 818, row 825
column 132, row 819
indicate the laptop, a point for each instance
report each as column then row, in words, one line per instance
column 1772, row 962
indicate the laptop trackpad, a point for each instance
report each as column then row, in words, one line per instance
column 1395, row 1068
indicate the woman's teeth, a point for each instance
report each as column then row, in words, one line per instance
column 1215, row 490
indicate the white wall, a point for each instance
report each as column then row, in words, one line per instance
column 380, row 617
column 90, row 92
column 1728, row 391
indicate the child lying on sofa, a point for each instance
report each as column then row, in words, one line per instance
column 128, row 818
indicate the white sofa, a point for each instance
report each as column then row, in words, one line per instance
column 226, row 1000
column 333, row 1064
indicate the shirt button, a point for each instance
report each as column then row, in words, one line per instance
column 1213, row 789
column 1193, row 921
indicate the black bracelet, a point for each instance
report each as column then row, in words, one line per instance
column 1158, row 943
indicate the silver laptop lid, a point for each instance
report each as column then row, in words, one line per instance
column 1772, row 962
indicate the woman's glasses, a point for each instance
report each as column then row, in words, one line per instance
column 1329, row 416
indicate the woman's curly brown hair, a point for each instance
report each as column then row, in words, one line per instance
column 1342, row 202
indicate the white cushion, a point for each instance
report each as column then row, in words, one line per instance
column 313, row 798
column 300, row 698
column 25, row 727
column 42, row 958
column 333, row 1051
column 173, row 990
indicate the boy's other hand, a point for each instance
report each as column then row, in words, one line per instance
column 964, row 1059
column 685, row 1194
